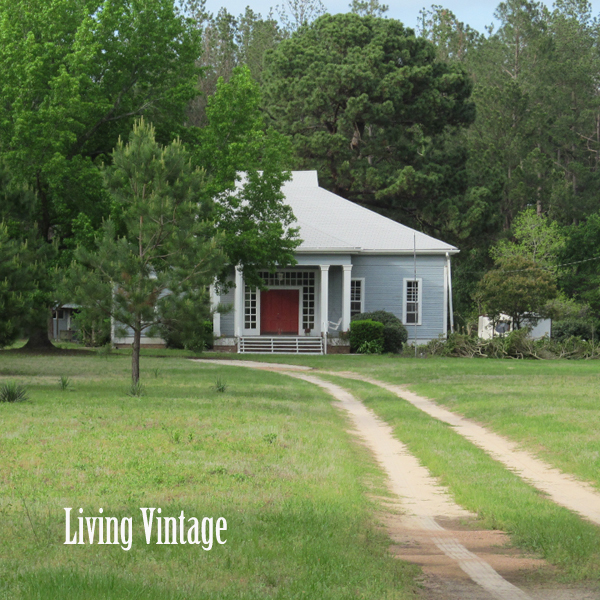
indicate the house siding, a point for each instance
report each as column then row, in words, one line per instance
column 384, row 288
column 384, row 277
column 313, row 260
column 335, row 294
column 227, row 318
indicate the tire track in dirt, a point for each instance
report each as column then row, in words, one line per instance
column 563, row 489
column 422, row 498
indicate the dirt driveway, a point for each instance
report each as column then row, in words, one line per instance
column 459, row 561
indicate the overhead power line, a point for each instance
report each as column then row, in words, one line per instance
column 545, row 268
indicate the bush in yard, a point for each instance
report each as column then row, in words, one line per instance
column 393, row 338
column 201, row 340
column 381, row 316
column 197, row 338
column 93, row 329
column 582, row 328
column 366, row 331
column 372, row 347
column 394, row 333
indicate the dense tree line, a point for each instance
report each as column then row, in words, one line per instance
column 77, row 77
column 535, row 141
column 490, row 141
column 450, row 130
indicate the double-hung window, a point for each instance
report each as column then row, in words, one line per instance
column 357, row 295
column 412, row 301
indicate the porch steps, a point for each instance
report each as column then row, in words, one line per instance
column 280, row 345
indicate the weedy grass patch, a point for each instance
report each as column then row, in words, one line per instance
column 270, row 454
column 499, row 497
column 11, row 391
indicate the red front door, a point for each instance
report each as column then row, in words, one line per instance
column 279, row 312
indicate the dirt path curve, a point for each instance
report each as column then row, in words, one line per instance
column 425, row 504
column 423, row 500
column 563, row 489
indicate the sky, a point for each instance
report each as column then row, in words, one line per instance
column 477, row 14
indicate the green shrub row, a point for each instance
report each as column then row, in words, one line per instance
column 567, row 328
column 195, row 339
column 390, row 338
column 366, row 336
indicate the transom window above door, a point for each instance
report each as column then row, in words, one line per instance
column 302, row 279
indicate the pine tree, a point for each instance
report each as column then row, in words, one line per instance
column 159, row 250
column 18, row 273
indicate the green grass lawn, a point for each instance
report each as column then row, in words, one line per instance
column 273, row 457
column 551, row 407
column 270, row 454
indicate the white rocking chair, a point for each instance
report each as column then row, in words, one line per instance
column 335, row 326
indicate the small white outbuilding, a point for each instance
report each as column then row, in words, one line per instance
column 539, row 327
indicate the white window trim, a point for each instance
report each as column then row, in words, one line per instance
column 250, row 332
column 362, row 294
column 404, row 300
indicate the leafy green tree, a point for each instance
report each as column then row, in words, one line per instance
column 256, row 224
column 218, row 59
column 507, row 117
column 581, row 279
column 255, row 36
column 36, row 276
column 228, row 42
column 567, row 86
column 371, row 108
column 160, row 250
column 75, row 74
column 537, row 238
column 519, row 288
column 534, row 142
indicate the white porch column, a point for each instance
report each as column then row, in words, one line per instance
column 450, row 293
column 215, row 299
column 346, row 297
column 324, row 298
column 238, row 304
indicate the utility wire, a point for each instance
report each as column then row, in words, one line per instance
column 576, row 262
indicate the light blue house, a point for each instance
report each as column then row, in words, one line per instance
column 351, row 260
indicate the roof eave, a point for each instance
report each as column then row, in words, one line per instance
column 324, row 250
column 407, row 252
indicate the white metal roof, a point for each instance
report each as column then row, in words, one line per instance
column 329, row 223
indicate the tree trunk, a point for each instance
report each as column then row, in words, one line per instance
column 38, row 332
column 539, row 196
column 38, row 339
column 135, row 356
column 45, row 227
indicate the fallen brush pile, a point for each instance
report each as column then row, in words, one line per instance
column 516, row 344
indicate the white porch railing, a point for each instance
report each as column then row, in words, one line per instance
column 280, row 345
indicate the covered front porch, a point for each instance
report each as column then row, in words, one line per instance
column 303, row 310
